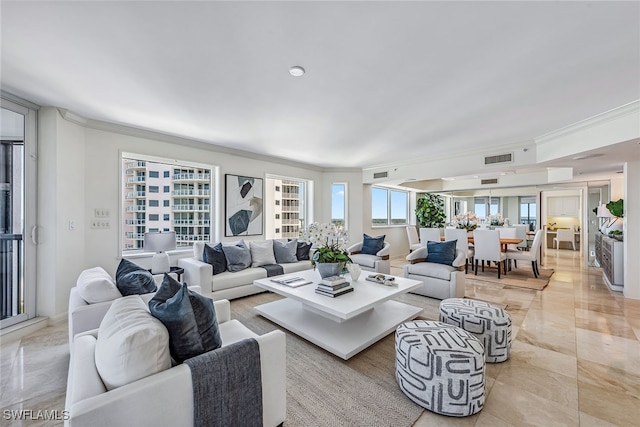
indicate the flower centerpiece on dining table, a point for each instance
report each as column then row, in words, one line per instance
column 496, row 219
column 467, row 221
column 329, row 242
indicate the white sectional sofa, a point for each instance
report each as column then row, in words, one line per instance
column 164, row 396
column 228, row 284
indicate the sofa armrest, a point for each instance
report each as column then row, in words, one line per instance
column 197, row 273
column 273, row 358
column 460, row 260
column 223, row 310
column 86, row 317
column 385, row 251
column 418, row 255
column 165, row 398
column 83, row 380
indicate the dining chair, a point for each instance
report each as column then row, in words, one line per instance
column 429, row 235
column 414, row 240
column 462, row 237
column 531, row 255
column 564, row 235
column 521, row 233
column 487, row 248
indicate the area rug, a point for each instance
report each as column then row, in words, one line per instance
column 325, row 390
column 518, row 277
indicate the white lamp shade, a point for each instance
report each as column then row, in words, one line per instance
column 603, row 212
column 160, row 242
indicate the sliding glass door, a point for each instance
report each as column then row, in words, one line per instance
column 17, row 213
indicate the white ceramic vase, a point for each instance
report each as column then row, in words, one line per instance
column 354, row 271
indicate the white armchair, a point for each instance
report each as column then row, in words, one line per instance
column 166, row 398
column 438, row 280
column 379, row 262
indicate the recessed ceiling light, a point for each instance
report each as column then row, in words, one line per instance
column 296, row 71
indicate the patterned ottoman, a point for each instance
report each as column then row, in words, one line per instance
column 440, row 367
column 490, row 323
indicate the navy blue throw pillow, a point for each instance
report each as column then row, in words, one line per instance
column 372, row 245
column 302, row 251
column 441, row 252
column 131, row 279
column 189, row 317
column 215, row 256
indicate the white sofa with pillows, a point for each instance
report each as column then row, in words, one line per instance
column 175, row 362
column 227, row 270
column 96, row 290
column 441, row 271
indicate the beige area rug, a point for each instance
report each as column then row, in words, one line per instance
column 518, row 277
column 325, row 390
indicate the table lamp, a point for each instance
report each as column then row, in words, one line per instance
column 160, row 243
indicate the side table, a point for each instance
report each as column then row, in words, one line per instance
column 175, row 270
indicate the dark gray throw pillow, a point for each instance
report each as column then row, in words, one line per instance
column 441, row 252
column 372, row 245
column 189, row 317
column 302, row 251
column 285, row 252
column 131, row 279
column 215, row 256
column 238, row 257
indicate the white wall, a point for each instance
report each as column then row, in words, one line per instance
column 80, row 171
column 631, row 228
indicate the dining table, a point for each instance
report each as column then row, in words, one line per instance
column 504, row 241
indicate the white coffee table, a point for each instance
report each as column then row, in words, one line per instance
column 344, row 325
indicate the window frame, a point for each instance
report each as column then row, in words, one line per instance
column 345, row 203
column 389, row 207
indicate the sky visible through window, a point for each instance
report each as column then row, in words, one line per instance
column 338, row 203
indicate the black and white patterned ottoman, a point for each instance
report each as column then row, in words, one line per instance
column 440, row 367
column 490, row 323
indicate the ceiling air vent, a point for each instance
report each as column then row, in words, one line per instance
column 377, row 175
column 500, row 158
column 489, row 181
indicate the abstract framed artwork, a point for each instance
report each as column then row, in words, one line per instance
column 243, row 205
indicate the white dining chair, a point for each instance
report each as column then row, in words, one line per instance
column 487, row 248
column 462, row 243
column 531, row 255
column 414, row 240
column 564, row 235
column 521, row 233
column 429, row 235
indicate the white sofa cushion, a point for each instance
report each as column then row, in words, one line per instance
column 365, row 260
column 431, row 269
column 96, row 285
column 262, row 253
column 132, row 344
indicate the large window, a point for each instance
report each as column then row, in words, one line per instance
column 285, row 207
column 338, row 204
column 528, row 212
column 389, row 207
column 485, row 206
column 186, row 206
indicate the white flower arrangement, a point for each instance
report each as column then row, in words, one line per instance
column 468, row 221
column 329, row 241
column 496, row 219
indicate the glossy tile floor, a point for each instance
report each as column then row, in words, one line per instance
column 575, row 357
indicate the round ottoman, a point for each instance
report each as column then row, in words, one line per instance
column 490, row 323
column 440, row 367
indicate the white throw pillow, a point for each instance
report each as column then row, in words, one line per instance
column 198, row 249
column 262, row 253
column 132, row 344
column 96, row 285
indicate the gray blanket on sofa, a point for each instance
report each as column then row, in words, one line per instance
column 227, row 385
column 273, row 269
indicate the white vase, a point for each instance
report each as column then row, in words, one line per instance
column 354, row 271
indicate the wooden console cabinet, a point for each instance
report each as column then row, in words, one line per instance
column 610, row 256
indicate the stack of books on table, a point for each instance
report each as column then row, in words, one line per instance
column 334, row 286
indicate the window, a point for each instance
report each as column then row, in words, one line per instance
column 485, row 206
column 528, row 212
column 183, row 206
column 389, row 207
column 288, row 207
column 338, row 204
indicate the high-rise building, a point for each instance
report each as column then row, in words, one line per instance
column 287, row 213
column 163, row 197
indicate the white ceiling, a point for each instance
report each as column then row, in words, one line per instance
column 385, row 81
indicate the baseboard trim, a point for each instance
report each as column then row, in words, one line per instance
column 22, row 329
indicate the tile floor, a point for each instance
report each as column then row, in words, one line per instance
column 575, row 357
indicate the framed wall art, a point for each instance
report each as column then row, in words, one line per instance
column 243, row 205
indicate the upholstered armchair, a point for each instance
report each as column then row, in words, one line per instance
column 439, row 281
column 379, row 262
